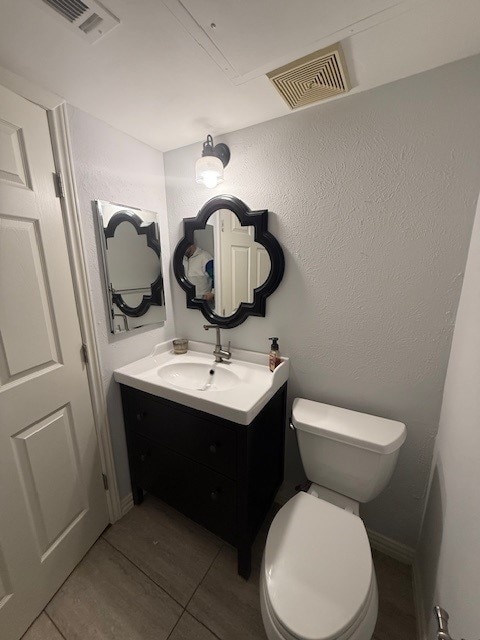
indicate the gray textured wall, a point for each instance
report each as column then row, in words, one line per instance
column 372, row 198
column 110, row 165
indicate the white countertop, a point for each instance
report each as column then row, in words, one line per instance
column 255, row 384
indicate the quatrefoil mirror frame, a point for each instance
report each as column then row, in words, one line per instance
column 150, row 233
column 257, row 219
column 149, row 307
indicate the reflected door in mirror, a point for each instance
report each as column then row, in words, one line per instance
column 225, row 263
column 243, row 264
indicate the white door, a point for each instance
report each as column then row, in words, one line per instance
column 52, row 500
column 244, row 263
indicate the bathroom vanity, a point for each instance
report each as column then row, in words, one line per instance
column 216, row 454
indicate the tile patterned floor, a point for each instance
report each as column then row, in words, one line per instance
column 156, row 575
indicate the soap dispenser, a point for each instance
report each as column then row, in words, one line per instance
column 274, row 356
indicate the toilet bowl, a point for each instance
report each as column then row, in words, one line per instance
column 317, row 580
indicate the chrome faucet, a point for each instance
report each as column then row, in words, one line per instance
column 442, row 620
column 219, row 352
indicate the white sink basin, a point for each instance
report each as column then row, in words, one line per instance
column 197, row 376
column 237, row 390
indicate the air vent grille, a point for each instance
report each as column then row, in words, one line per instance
column 92, row 22
column 69, row 9
column 315, row 77
column 89, row 19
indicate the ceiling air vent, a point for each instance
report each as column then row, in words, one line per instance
column 70, row 9
column 89, row 19
column 315, row 77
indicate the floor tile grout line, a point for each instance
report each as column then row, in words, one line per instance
column 64, row 582
column 203, row 625
column 176, row 624
column 184, row 608
column 222, row 546
column 145, row 574
column 54, row 623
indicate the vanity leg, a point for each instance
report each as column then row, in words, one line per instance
column 244, row 561
column 137, row 494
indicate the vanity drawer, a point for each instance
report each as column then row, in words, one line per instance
column 200, row 493
column 207, row 442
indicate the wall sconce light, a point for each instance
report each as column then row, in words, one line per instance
column 209, row 168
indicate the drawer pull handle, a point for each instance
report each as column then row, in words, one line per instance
column 212, row 448
column 215, row 495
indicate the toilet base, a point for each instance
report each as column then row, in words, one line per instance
column 362, row 629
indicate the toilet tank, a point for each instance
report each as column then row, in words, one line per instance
column 346, row 451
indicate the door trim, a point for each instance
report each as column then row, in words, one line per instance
column 29, row 90
column 60, row 137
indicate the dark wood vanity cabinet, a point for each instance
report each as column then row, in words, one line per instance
column 221, row 474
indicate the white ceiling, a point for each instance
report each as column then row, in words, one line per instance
column 167, row 77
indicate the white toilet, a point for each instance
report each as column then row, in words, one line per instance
column 317, row 580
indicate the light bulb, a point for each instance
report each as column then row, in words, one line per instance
column 209, row 171
column 210, row 179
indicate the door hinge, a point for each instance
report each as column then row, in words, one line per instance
column 85, row 352
column 105, row 481
column 59, row 189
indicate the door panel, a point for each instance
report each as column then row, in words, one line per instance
column 240, row 284
column 13, row 167
column 44, row 452
column 244, row 264
column 52, row 500
column 27, row 328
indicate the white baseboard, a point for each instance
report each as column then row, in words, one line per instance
column 419, row 605
column 392, row 548
column 126, row 503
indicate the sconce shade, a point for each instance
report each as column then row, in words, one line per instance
column 209, row 171
column 209, row 168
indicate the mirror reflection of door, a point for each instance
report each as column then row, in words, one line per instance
column 240, row 264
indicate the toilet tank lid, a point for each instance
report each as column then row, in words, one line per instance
column 359, row 429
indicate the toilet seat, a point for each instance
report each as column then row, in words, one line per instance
column 362, row 629
column 318, row 581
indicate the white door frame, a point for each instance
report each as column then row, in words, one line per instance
column 56, row 109
column 63, row 162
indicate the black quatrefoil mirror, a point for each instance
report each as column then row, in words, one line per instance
column 227, row 262
column 132, row 267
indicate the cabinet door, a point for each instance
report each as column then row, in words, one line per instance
column 205, row 441
column 200, row 493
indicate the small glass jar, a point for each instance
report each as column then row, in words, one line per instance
column 180, row 345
